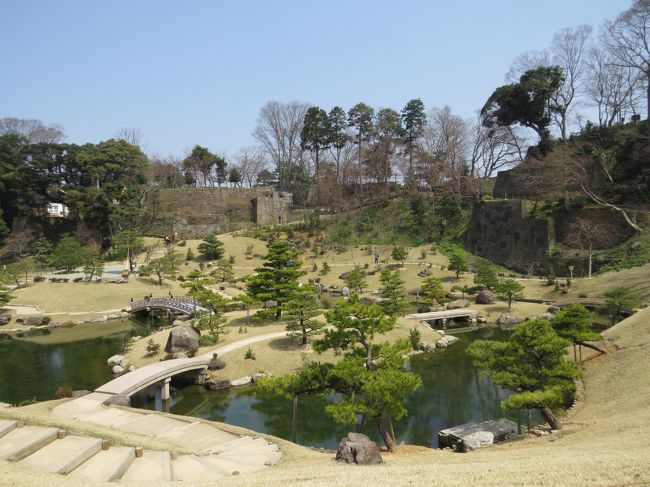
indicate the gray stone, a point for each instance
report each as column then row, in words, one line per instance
column 118, row 400
column 441, row 344
column 120, row 360
column 242, row 381
column 546, row 316
column 53, row 324
column 485, row 297
column 449, row 339
column 80, row 393
column 458, row 303
column 424, row 272
column 508, row 320
column 33, row 321
column 358, row 448
column 182, row 338
column 216, row 363
column 4, row 319
column 476, row 440
column 178, row 323
column 427, row 347
column 259, row 375
column 113, row 316
column 5, row 405
column 117, row 369
column 101, row 319
column 216, row 384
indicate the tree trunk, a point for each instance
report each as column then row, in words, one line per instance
column 391, row 431
column 575, row 355
column 383, row 432
column 160, row 280
column 294, row 420
column 592, row 346
column 518, row 421
column 590, row 261
column 550, row 418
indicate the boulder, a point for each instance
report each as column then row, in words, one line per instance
column 259, row 375
column 458, row 303
column 53, row 324
column 117, row 369
column 5, row 405
column 427, row 347
column 546, row 316
column 424, row 272
column 80, row 393
column 4, row 319
column 345, row 291
column 216, row 363
column 120, row 360
column 508, row 320
column 449, row 339
column 441, row 344
column 476, row 440
column 217, row 384
column 178, row 323
column 358, row 448
column 33, row 321
column 485, row 297
column 242, row 381
column 118, row 400
column 182, row 338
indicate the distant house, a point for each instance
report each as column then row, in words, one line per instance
column 57, row 210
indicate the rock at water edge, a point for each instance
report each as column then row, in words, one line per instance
column 182, row 338
column 480, row 439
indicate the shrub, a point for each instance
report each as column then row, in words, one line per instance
column 190, row 255
column 153, row 347
column 249, row 355
column 414, row 337
column 182, row 243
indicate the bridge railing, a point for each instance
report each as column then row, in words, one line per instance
column 181, row 303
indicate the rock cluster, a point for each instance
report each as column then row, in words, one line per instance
column 359, row 449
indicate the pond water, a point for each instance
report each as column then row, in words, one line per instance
column 453, row 391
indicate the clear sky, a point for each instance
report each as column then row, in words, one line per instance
column 197, row 72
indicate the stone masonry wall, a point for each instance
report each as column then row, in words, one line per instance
column 502, row 232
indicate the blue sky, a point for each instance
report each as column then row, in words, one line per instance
column 197, row 72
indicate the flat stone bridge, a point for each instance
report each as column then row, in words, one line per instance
column 445, row 315
column 159, row 372
column 183, row 305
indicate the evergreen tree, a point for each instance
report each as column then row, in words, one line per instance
column 355, row 279
column 225, row 270
column 414, row 120
column 432, row 291
column 94, row 266
column 620, row 300
column 360, row 116
column 164, row 267
column 277, row 279
column 300, row 312
column 211, row 248
column 400, row 254
column 316, row 134
column 5, row 295
column 370, row 376
column 325, row 269
column 532, row 364
column 41, row 251
column 68, row 254
column 509, row 289
column 486, row 276
column 234, row 176
column 457, row 263
column 129, row 243
column 574, row 324
column 214, row 322
column 393, row 293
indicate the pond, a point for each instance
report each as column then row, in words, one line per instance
column 453, row 392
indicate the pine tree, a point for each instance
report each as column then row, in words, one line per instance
column 574, row 324
column 457, row 263
column 277, row 279
column 532, row 364
column 300, row 312
column 164, row 267
column 214, row 322
column 224, row 270
column 211, row 248
column 393, row 293
column 509, row 289
column 486, row 276
column 619, row 300
column 399, row 254
column 94, row 266
column 432, row 291
column 356, row 279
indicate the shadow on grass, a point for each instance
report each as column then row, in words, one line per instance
column 286, row 344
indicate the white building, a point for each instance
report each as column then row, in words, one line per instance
column 57, row 210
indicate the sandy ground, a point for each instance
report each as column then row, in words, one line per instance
column 605, row 441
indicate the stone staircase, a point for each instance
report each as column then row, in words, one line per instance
column 218, row 454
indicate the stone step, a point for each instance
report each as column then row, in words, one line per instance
column 191, row 468
column 231, row 466
column 22, row 442
column 152, row 467
column 243, row 440
column 150, row 424
column 196, row 436
column 6, row 426
column 258, row 445
column 63, row 456
column 268, row 458
column 111, row 417
column 106, row 466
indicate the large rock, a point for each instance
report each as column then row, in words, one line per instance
column 449, row 339
column 508, row 320
column 80, row 393
column 118, row 400
column 485, row 297
column 426, row 272
column 182, row 338
column 242, row 381
column 217, row 384
column 216, row 363
column 476, row 440
column 358, row 448
column 546, row 316
column 117, row 369
column 119, row 360
column 4, row 319
column 33, row 321
column 458, row 303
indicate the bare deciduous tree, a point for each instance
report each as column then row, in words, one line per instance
column 33, row 131
column 19, row 239
column 278, row 131
column 628, row 40
column 586, row 234
column 493, row 148
column 132, row 135
column 250, row 162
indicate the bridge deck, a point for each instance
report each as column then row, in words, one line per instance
column 447, row 314
column 182, row 304
column 150, row 374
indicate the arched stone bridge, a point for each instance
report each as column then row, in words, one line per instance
column 183, row 305
column 159, row 372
